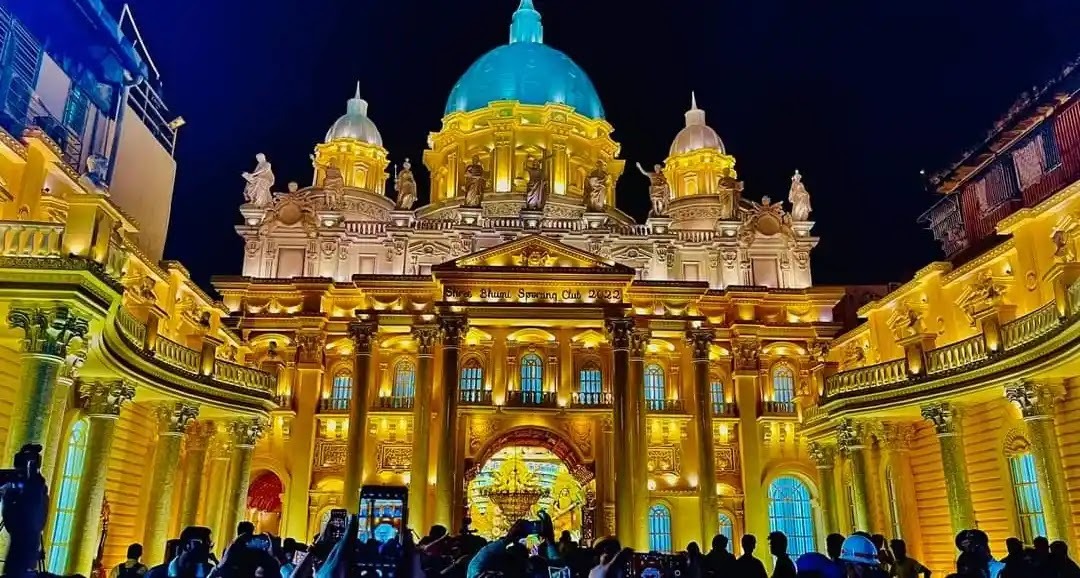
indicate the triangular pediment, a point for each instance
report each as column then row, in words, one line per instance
column 530, row 253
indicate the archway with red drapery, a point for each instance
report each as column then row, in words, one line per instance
column 264, row 502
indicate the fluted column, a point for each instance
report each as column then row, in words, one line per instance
column 362, row 332
column 700, row 340
column 447, row 475
column 197, row 441
column 1036, row 403
column 947, row 426
column 894, row 439
column 47, row 332
column 65, row 379
column 244, row 432
column 824, row 457
column 639, row 340
column 623, row 441
column 850, row 438
column 104, row 400
column 217, row 484
column 173, row 420
column 425, row 336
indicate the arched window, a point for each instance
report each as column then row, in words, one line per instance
column 727, row 528
column 404, row 380
column 589, row 379
column 532, row 374
column 849, row 493
column 790, row 512
column 716, row 395
column 472, row 376
column 74, row 459
column 1029, row 502
column 659, row 528
column 341, row 391
column 654, row 386
column 894, row 502
column 783, row 384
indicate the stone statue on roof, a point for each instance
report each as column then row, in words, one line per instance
column 259, row 181
column 799, row 198
column 475, row 183
column 596, row 185
column 405, row 185
column 659, row 191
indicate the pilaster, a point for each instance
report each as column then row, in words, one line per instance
column 824, row 457
column 851, row 439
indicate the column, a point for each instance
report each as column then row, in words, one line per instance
column 244, row 433
column 850, row 441
column 747, row 393
column 448, row 489
column 623, row 442
column 198, row 440
column 425, row 336
column 895, row 443
column 700, row 340
column 47, row 332
column 824, row 457
column 947, row 426
column 303, row 375
column 104, row 400
column 69, row 372
column 362, row 332
column 217, row 482
column 1036, row 402
column 173, row 420
column 639, row 340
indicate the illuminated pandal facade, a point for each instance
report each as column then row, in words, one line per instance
column 646, row 375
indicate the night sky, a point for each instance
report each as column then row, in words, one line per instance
column 857, row 95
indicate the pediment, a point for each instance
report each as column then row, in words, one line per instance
column 533, row 252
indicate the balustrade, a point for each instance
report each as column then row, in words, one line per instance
column 664, row 406
column 583, row 399
column 131, row 328
column 532, row 399
column 720, row 409
column 31, row 239
column 867, row 377
column 475, row 397
column 956, row 355
column 1030, row 327
column 392, row 402
column 333, row 405
column 176, row 355
column 778, row 408
column 234, row 374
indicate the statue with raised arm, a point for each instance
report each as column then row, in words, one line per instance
column 405, row 185
column 475, row 183
column 536, row 188
column 659, row 191
column 259, row 181
column 799, row 198
column 333, row 186
column 596, row 185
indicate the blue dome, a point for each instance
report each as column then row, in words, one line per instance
column 525, row 70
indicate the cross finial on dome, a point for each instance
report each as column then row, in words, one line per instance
column 357, row 105
column 525, row 25
column 695, row 115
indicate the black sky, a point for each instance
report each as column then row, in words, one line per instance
column 858, row 95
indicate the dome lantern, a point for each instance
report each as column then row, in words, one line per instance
column 526, row 25
column 355, row 124
column 696, row 135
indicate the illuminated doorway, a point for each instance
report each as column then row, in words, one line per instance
column 518, row 481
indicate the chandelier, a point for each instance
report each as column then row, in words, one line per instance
column 514, row 489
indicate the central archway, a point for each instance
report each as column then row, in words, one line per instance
column 523, row 471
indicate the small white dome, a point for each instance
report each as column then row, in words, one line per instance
column 696, row 135
column 355, row 124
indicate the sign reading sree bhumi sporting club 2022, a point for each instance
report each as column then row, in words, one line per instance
column 531, row 295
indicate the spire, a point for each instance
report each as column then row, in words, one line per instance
column 525, row 25
column 357, row 105
column 693, row 96
column 694, row 116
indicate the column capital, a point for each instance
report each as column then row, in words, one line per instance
column 106, row 397
column 198, row 435
column 618, row 331
column 175, row 417
column 700, row 340
column 852, row 435
column 639, row 340
column 453, row 328
column 944, row 416
column 1035, row 400
column 824, row 456
column 73, row 364
column 747, row 350
column 362, row 332
column 896, row 436
column 246, row 431
column 426, row 336
column 310, row 346
column 47, row 330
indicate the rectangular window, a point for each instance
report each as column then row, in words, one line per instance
column 716, row 393
column 690, row 272
column 367, row 264
column 290, row 262
column 1029, row 503
column 766, row 272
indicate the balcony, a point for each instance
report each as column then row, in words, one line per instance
column 586, row 400
column 394, row 402
column 285, row 402
column 532, row 399
column 778, row 408
column 31, row 239
column 664, row 406
column 475, row 397
column 333, row 405
column 23, row 110
column 724, row 410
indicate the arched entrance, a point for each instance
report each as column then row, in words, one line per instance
column 264, row 502
column 527, row 470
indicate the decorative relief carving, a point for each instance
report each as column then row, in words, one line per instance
column 47, row 330
column 246, row 432
column 985, row 294
column 481, row 431
column 896, row 436
column 664, row 460
column 822, row 455
column 174, row 418
column 943, row 416
column 699, row 340
column 727, row 458
column 362, row 332
column 580, row 433
column 310, row 347
column 746, row 351
column 330, row 455
column 393, row 457
column 906, row 321
column 426, row 336
column 105, row 398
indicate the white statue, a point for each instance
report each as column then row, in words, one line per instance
column 596, row 185
column 799, row 198
column 259, row 181
column 334, row 186
column 659, row 191
column 536, row 188
column 405, row 185
column 475, row 183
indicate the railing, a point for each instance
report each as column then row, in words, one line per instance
column 720, row 409
column 591, row 399
column 131, row 327
column 956, row 355
column 532, row 399
column 664, row 406
column 333, row 405
column 475, row 397
column 231, row 373
column 885, row 373
column 177, row 355
column 115, row 258
column 23, row 109
column 31, row 239
column 1073, row 295
column 814, row 414
column 394, row 402
column 365, row 227
column 148, row 106
column 696, row 236
column 285, row 401
column 778, row 408
column 1030, row 327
